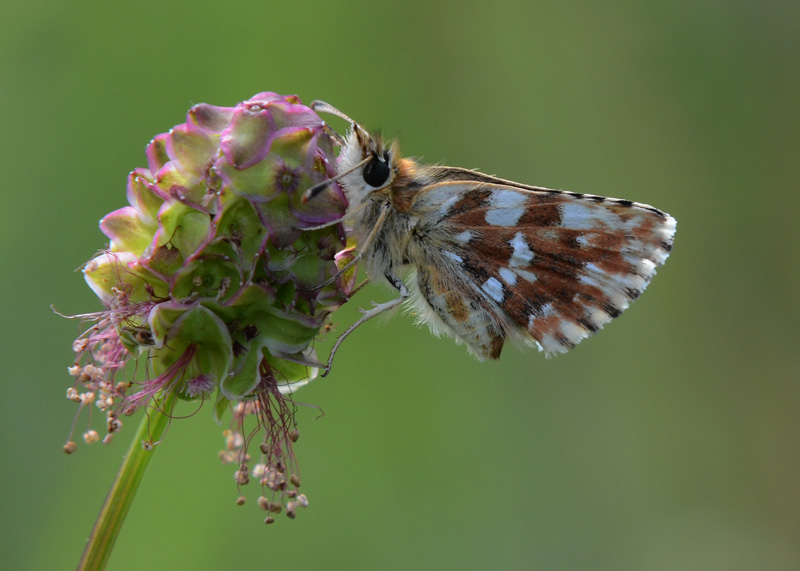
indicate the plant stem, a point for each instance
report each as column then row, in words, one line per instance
column 120, row 496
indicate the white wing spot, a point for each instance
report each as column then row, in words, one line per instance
column 453, row 256
column 522, row 255
column 506, row 207
column 507, row 199
column 526, row 275
column 504, row 217
column 493, row 289
column 463, row 237
column 508, row 276
column 577, row 216
column 447, row 204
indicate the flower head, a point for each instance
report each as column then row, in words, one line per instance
column 218, row 278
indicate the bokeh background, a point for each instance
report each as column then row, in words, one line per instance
column 670, row 441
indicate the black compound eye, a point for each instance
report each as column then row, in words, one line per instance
column 376, row 172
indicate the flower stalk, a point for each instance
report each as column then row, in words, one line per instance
column 120, row 497
column 217, row 280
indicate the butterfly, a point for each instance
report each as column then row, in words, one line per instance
column 492, row 259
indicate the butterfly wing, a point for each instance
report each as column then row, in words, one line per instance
column 549, row 265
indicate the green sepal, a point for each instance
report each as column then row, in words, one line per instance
column 207, row 276
column 309, row 271
column 244, row 377
column 257, row 182
column 221, row 405
column 176, row 182
column 291, row 144
column 192, row 149
column 293, row 374
column 182, row 327
column 235, row 309
column 115, row 271
column 161, row 320
column 246, row 140
column 284, row 332
column 127, row 231
column 163, row 261
column 278, row 218
column 184, row 227
column 157, row 153
column 240, row 225
column 143, row 196
column 348, row 276
column 209, row 117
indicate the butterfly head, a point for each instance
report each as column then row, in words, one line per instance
column 370, row 164
column 366, row 165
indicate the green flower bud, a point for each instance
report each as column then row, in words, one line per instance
column 219, row 276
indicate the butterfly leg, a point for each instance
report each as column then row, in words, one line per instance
column 384, row 211
column 299, row 359
column 368, row 314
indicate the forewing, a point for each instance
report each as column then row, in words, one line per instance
column 559, row 265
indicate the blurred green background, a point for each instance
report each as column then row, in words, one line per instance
column 670, row 441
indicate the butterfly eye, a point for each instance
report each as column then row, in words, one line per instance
column 376, row 172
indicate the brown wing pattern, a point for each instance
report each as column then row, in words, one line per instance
column 560, row 265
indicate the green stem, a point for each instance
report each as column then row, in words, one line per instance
column 120, row 496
